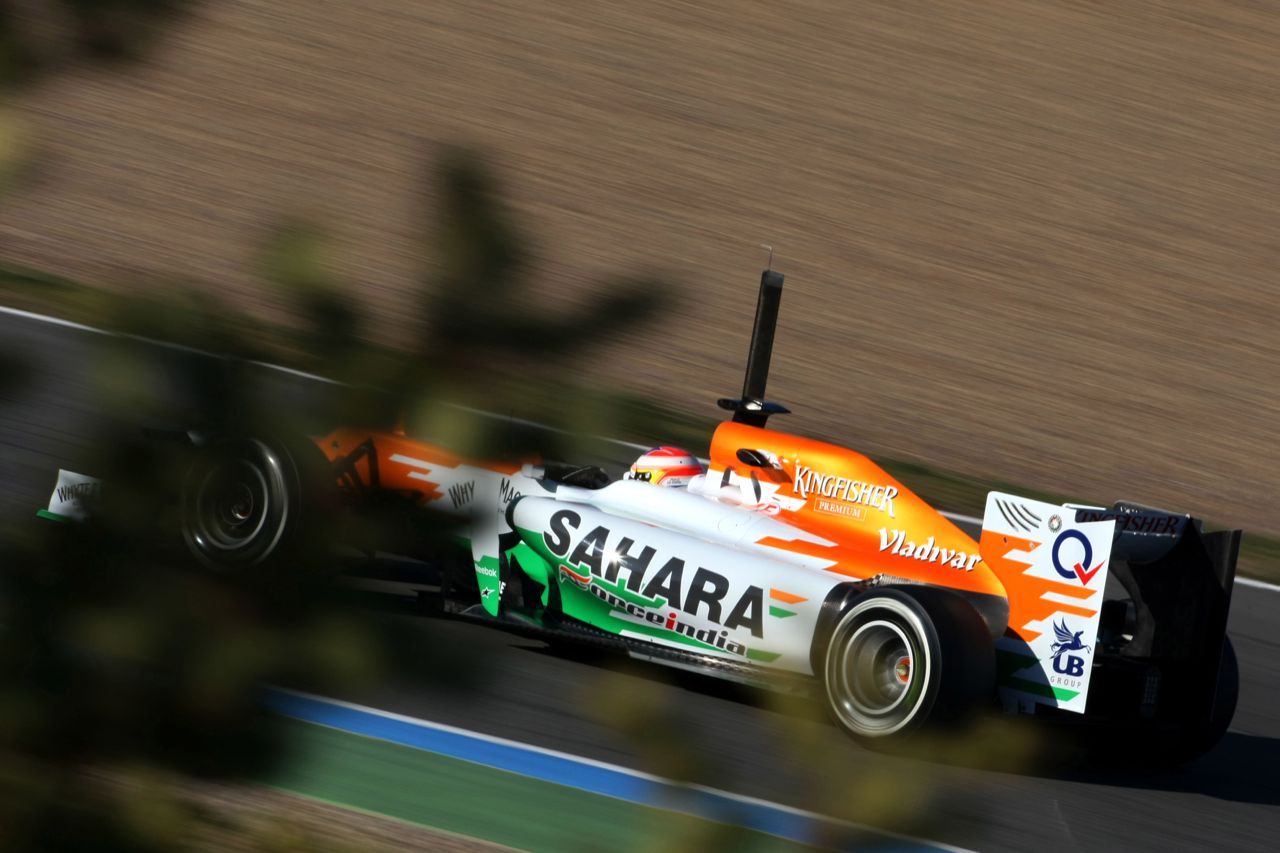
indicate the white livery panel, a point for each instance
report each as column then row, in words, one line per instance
column 1055, row 571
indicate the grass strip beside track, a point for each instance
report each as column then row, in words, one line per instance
column 493, row 805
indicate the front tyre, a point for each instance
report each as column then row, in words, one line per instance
column 899, row 659
column 248, row 502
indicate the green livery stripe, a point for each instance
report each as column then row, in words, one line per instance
column 532, row 564
column 490, row 583
column 763, row 656
column 602, row 616
column 51, row 516
column 581, row 604
column 666, row 635
column 619, row 589
column 1008, row 662
column 1037, row 689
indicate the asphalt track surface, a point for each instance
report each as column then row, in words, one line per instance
column 734, row 739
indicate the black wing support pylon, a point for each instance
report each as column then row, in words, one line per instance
column 753, row 409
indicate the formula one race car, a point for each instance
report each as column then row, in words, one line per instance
column 787, row 559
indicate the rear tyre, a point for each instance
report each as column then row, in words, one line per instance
column 1147, row 745
column 1190, row 742
column 247, row 503
column 901, row 659
column 1226, row 695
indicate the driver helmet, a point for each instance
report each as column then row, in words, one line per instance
column 665, row 466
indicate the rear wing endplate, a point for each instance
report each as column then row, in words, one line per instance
column 1054, row 569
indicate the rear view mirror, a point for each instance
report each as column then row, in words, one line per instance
column 754, row 458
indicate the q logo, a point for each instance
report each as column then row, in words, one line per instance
column 1078, row 570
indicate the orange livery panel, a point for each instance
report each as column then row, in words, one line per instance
column 875, row 526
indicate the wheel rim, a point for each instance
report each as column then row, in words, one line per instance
column 877, row 669
column 877, row 665
column 231, row 506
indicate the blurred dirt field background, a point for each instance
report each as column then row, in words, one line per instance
column 1033, row 240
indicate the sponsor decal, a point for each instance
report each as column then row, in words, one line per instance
column 580, row 581
column 78, row 492
column 1069, row 668
column 841, row 495
column 857, row 513
column 671, row 621
column 487, row 571
column 1078, row 570
column 462, row 493
column 645, row 582
column 896, row 543
column 506, row 492
column 1131, row 522
column 786, row 598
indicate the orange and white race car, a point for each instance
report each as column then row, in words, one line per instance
column 784, row 559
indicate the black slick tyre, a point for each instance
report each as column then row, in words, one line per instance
column 1226, row 696
column 247, row 503
column 901, row 658
column 1187, row 743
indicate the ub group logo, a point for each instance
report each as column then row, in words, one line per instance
column 1077, row 571
column 1068, row 641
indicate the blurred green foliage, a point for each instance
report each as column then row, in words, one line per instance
column 118, row 658
column 476, row 306
column 116, row 652
column 43, row 37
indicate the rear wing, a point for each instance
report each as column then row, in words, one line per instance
column 1162, row 620
column 1178, row 576
column 1054, row 569
column 1171, row 623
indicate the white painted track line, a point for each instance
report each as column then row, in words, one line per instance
column 462, row 743
column 1257, row 584
column 57, row 321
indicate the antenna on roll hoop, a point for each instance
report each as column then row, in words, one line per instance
column 753, row 409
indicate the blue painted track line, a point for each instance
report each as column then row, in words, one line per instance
column 593, row 776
